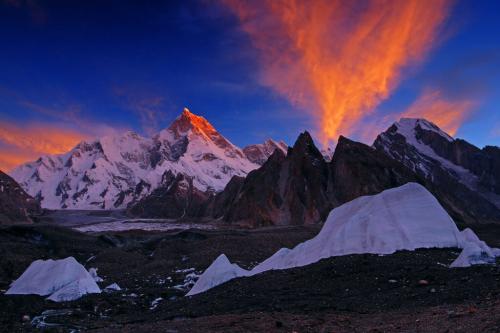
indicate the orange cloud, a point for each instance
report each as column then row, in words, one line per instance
column 10, row 159
column 448, row 114
column 341, row 58
column 26, row 143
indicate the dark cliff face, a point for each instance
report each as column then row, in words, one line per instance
column 357, row 170
column 224, row 200
column 16, row 206
column 175, row 198
column 463, row 177
column 489, row 171
column 286, row 190
column 301, row 187
column 484, row 163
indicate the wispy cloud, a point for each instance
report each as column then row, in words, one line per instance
column 149, row 107
column 70, row 112
column 64, row 126
column 447, row 113
column 72, row 116
column 339, row 59
column 22, row 143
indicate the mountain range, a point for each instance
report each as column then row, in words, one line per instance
column 302, row 187
column 116, row 171
column 189, row 170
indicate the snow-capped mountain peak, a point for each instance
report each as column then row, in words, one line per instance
column 197, row 128
column 259, row 153
column 116, row 170
column 430, row 152
column 407, row 126
column 188, row 121
column 418, row 142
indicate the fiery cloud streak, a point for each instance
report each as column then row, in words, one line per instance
column 341, row 58
column 22, row 144
column 448, row 114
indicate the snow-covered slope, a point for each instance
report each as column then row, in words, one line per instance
column 422, row 157
column 403, row 218
column 220, row 271
column 63, row 280
column 449, row 163
column 115, row 171
column 327, row 153
column 259, row 153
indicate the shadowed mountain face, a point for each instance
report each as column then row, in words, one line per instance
column 463, row 177
column 302, row 187
column 175, row 198
column 286, row 190
column 357, row 169
column 16, row 206
column 259, row 153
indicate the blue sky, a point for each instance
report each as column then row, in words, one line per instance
column 84, row 65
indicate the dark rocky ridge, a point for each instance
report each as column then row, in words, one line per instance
column 259, row 153
column 15, row 204
column 286, row 190
column 175, row 198
column 484, row 163
column 357, row 169
column 301, row 187
column 464, row 181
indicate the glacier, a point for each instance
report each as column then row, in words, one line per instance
column 402, row 218
column 61, row 280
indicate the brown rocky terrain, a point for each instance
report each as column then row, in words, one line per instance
column 16, row 206
column 406, row 291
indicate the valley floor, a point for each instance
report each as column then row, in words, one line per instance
column 356, row 293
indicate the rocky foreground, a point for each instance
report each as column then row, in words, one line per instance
column 406, row 291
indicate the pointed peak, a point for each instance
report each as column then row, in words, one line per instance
column 276, row 144
column 186, row 112
column 407, row 125
column 346, row 143
column 190, row 121
column 305, row 145
column 342, row 139
column 221, row 260
column 304, row 139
